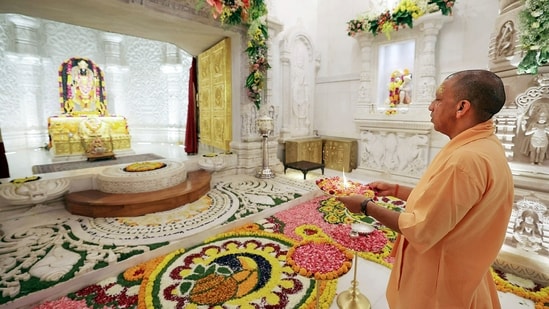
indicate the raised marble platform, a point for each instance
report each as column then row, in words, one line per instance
column 95, row 203
column 116, row 179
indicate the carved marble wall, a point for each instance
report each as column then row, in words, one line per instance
column 526, row 248
column 144, row 79
column 523, row 129
column 522, row 123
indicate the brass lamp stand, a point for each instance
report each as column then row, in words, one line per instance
column 352, row 298
column 265, row 125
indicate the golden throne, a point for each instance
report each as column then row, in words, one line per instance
column 84, row 126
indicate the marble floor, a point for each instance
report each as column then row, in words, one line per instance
column 371, row 277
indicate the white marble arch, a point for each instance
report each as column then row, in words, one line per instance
column 299, row 64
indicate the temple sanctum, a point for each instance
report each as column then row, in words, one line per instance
column 148, row 147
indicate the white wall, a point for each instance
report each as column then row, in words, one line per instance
column 463, row 44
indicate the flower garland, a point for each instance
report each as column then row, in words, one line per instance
column 20, row 181
column 534, row 36
column 399, row 17
column 253, row 14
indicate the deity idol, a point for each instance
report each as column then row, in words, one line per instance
column 83, row 86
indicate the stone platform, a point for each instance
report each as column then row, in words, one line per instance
column 95, row 203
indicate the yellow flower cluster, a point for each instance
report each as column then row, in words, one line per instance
column 540, row 297
column 147, row 285
column 410, row 6
column 403, row 15
column 144, row 166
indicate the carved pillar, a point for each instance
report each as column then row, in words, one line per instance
column 111, row 43
column 272, row 99
column 115, row 73
column 285, row 131
column 365, row 103
column 249, row 149
column 174, row 71
column 429, row 26
column 24, row 52
column 25, row 35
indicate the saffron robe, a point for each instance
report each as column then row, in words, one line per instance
column 454, row 226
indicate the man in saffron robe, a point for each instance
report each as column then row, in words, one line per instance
column 456, row 216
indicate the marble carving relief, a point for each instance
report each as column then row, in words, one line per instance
column 299, row 65
column 524, row 131
column 400, row 153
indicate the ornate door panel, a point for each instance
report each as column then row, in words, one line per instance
column 214, row 96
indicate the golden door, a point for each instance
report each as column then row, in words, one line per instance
column 214, row 96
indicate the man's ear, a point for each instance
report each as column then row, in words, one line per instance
column 463, row 107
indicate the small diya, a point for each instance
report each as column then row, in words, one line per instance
column 341, row 186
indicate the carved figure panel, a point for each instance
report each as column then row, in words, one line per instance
column 504, row 49
column 302, row 86
column 505, row 40
column 532, row 130
column 399, row 152
column 298, row 69
column 529, row 226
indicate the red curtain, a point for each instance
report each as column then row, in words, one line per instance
column 191, row 134
column 4, row 169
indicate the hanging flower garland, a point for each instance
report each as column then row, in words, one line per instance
column 253, row 14
column 399, row 17
column 534, row 36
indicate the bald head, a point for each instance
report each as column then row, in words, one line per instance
column 482, row 88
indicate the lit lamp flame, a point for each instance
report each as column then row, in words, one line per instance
column 345, row 183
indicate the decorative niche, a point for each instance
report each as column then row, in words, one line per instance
column 395, row 66
column 409, row 53
column 390, row 145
